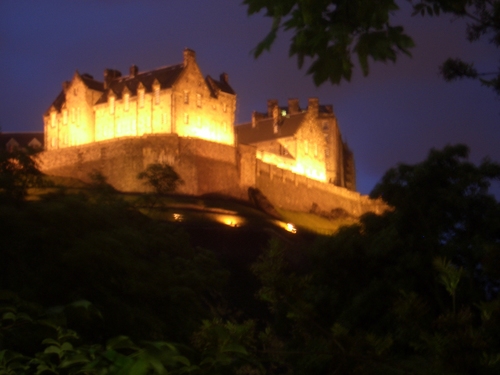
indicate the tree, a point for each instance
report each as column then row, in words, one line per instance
column 18, row 172
column 412, row 291
column 161, row 177
column 330, row 32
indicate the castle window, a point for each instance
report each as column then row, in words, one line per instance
column 186, row 97
column 65, row 116
column 72, row 115
column 306, row 146
column 164, row 118
column 53, row 142
column 283, row 112
column 141, row 98
column 78, row 116
column 315, row 149
column 186, row 118
column 157, row 95
column 111, row 105
column 53, row 119
column 224, row 126
column 198, row 100
column 224, row 107
column 126, row 100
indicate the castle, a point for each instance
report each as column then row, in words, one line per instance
column 296, row 157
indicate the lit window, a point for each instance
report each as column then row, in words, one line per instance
column 53, row 119
column 111, row 105
column 126, row 100
column 163, row 118
column 198, row 100
column 157, row 95
column 53, row 141
column 283, row 112
column 306, row 146
column 224, row 126
column 315, row 149
column 78, row 116
column 72, row 115
column 141, row 98
column 186, row 118
column 186, row 97
column 65, row 116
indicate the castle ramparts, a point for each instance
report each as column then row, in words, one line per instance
column 206, row 168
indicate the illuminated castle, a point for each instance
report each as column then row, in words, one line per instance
column 174, row 115
column 307, row 142
column 174, row 99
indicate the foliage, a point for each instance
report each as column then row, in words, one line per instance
column 147, row 279
column 483, row 17
column 18, row 172
column 410, row 291
column 161, row 177
column 330, row 32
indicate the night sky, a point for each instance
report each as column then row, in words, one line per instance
column 394, row 115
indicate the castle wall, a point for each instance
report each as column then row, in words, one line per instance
column 206, row 168
column 291, row 191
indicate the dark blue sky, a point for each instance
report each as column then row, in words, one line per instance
column 395, row 115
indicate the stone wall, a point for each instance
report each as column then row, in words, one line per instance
column 291, row 191
column 206, row 168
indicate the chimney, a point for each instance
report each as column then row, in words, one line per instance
column 293, row 106
column 109, row 76
column 224, row 78
column 276, row 118
column 134, row 70
column 313, row 106
column 189, row 56
column 271, row 103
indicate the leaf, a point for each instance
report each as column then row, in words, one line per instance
column 53, row 349
column 78, row 359
column 121, row 342
column 50, row 341
column 9, row 316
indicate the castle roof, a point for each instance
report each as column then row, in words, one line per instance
column 222, row 85
column 165, row 76
column 91, row 83
column 87, row 80
column 264, row 129
column 21, row 139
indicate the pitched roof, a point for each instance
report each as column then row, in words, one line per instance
column 166, row 76
column 91, row 83
column 23, row 139
column 216, row 86
column 264, row 129
column 87, row 80
column 58, row 103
